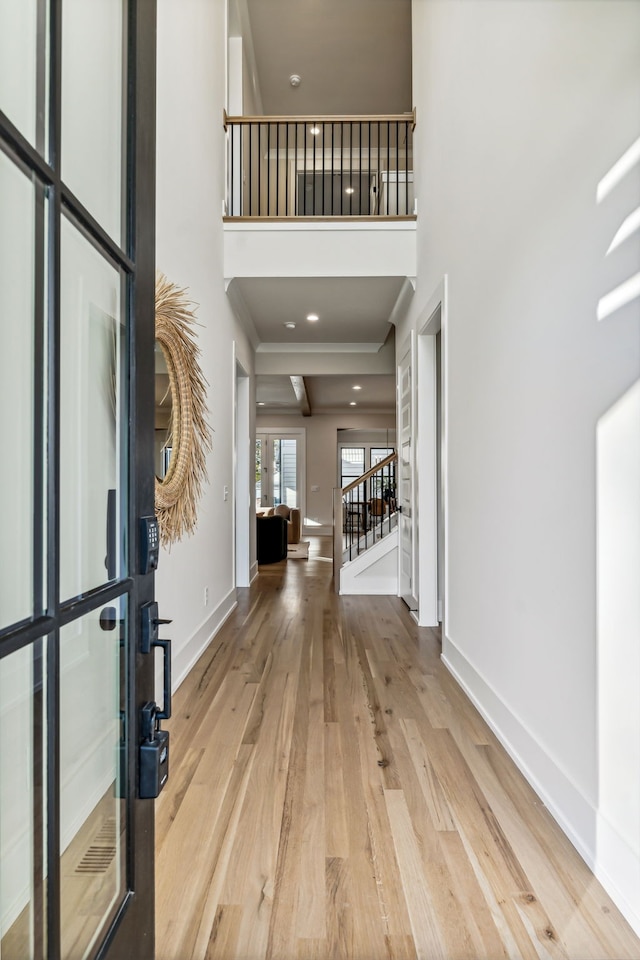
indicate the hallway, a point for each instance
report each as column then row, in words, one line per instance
column 333, row 794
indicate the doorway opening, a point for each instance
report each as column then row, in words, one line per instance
column 432, row 461
column 242, row 482
column 279, row 459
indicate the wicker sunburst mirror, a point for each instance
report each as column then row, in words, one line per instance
column 188, row 435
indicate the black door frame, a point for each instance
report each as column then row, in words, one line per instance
column 132, row 931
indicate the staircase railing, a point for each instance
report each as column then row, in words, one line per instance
column 363, row 513
column 320, row 167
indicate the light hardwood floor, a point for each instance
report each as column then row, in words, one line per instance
column 333, row 794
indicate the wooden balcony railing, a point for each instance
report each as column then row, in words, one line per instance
column 331, row 167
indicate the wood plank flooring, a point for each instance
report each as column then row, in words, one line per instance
column 333, row 794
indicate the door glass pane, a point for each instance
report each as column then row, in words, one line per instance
column 92, row 114
column 92, row 410
column 18, row 59
column 22, row 827
column 16, row 392
column 285, row 472
column 92, row 785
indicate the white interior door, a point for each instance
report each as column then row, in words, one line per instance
column 407, row 578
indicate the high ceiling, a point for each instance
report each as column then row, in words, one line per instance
column 353, row 56
column 349, row 309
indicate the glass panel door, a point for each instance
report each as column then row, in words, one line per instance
column 278, row 469
column 76, row 393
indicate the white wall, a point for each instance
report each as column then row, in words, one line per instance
column 304, row 249
column 322, row 457
column 522, row 109
column 190, row 191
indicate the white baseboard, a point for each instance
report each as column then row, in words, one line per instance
column 200, row 640
column 615, row 864
column 321, row 530
column 16, row 875
column 253, row 572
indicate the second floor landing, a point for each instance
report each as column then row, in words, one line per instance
column 320, row 197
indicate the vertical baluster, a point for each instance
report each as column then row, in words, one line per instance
column 259, row 170
column 286, row 171
column 350, row 167
column 250, row 167
column 388, row 164
column 269, row 169
column 397, row 170
column 350, row 516
column 332, row 149
column 323, row 141
column 304, row 148
column 341, row 164
column 406, row 168
column 366, row 513
column 277, row 169
column 379, row 174
column 296, row 175
column 351, row 524
column 232, row 135
column 388, row 501
column 360, row 168
column 314, row 168
column 369, row 168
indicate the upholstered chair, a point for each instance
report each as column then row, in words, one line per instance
column 292, row 516
column 271, row 539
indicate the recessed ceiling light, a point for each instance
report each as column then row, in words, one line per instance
column 350, row 190
column 314, row 131
column 357, row 386
column 353, row 404
column 290, row 325
column 295, row 80
column 312, row 317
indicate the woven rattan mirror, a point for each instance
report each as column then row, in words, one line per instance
column 183, row 436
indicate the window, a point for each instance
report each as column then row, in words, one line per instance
column 352, row 464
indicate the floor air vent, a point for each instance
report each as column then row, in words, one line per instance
column 97, row 857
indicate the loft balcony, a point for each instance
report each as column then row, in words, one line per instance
column 322, row 167
column 320, row 196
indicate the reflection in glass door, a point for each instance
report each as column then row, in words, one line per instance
column 76, row 387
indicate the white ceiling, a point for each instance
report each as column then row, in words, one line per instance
column 351, row 309
column 377, row 393
column 329, row 393
column 354, row 56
